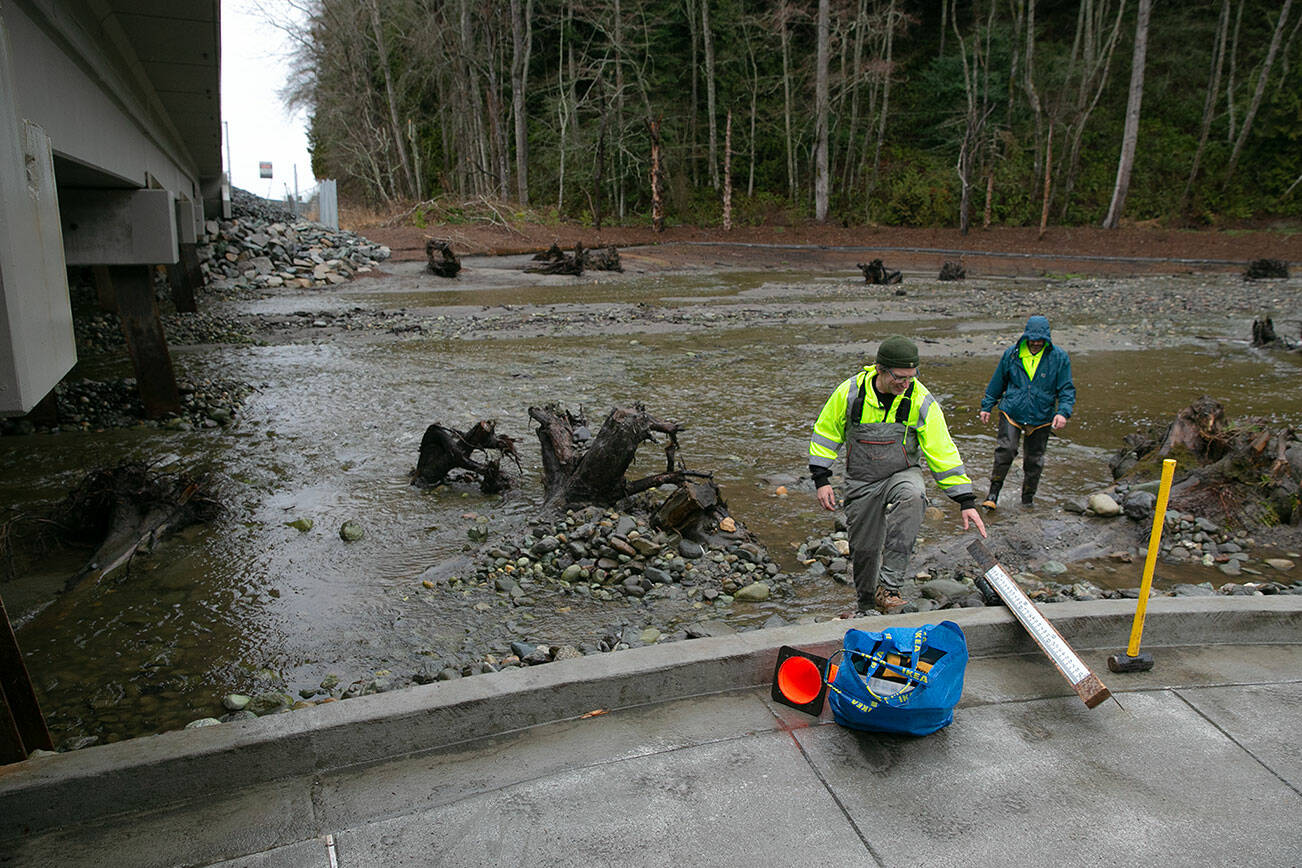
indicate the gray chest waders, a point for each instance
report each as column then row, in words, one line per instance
column 885, row 498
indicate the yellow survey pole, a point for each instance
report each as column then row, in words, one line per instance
column 1154, row 540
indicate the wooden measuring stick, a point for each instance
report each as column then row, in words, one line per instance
column 1086, row 684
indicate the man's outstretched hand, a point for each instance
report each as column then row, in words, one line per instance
column 826, row 497
column 970, row 517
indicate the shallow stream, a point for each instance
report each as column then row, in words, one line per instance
column 744, row 360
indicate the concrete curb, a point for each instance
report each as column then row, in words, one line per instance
column 177, row 767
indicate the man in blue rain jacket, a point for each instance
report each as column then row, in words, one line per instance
column 1032, row 387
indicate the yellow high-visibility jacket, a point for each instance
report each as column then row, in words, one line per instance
column 924, row 416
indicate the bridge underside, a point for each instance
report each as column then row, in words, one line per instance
column 110, row 157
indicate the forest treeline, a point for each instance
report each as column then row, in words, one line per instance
column 900, row 112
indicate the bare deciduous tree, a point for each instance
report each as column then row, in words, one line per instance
column 1130, row 135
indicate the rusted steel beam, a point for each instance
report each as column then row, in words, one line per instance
column 22, row 726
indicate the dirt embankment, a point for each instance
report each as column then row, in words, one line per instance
column 998, row 250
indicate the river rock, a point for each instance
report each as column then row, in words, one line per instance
column 1231, row 567
column 1281, row 564
column 944, row 589
column 351, row 531
column 1139, row 505
column 235, row 716
column 235, row 701
column 691, row 549
column 657, row 575
column 1187, row 590
column 705, row 629
column 270, row 703
column 755, row 592
column 203, row 721
column 1103, row 505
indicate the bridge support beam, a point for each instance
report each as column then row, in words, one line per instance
column 36, row 340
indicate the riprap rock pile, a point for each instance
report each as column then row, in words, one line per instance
column 264, row 246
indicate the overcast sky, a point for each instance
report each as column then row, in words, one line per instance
column 254, row 69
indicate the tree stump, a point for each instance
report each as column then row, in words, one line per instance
column 876, row 272
column 953, row 271
column 442, row 261
column 691, row 509
column 580, row 471
column 606, row 259
column 1260, row 269
column 1264, row 336
column 1197, row 429
column 565, row 264
column 444, row 449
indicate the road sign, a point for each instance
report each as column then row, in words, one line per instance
column 264, row 170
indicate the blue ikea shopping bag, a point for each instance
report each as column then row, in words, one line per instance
column 903, row 679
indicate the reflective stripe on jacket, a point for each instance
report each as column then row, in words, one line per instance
column 1030, row 401
column 925, row 416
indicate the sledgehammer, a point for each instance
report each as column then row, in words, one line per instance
column 1133, row 660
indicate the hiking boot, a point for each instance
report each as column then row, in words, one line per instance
column 989, row 504
column 888, row 600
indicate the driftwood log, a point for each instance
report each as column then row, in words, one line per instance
column 876, row 272
column 581, row 469
column 443, row 450
column 118, row 512
column 442, row 261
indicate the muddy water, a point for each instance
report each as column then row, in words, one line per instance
column 743, row 359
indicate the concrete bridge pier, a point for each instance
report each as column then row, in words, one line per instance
column 123, row 234
column 109, row 158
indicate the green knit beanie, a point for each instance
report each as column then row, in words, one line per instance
column 897, row 352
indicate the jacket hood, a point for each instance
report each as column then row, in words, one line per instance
column 1037, row 329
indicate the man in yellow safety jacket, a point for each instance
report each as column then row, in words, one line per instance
column 889, row 423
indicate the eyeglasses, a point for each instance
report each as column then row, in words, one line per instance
column 899, row 378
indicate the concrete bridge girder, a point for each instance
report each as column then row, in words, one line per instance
column 113, row 106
